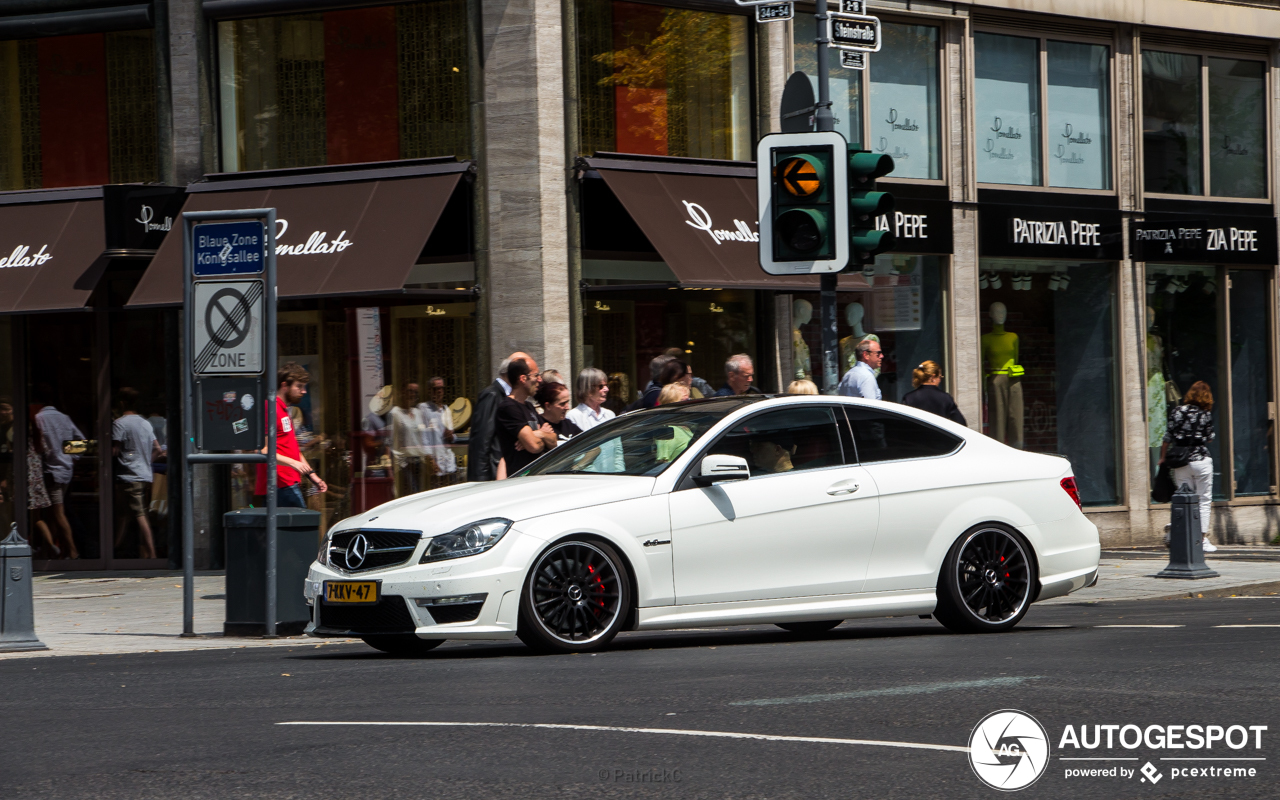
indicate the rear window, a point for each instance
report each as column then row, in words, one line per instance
column 885, row 436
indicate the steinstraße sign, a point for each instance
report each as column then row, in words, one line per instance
column 854, row 32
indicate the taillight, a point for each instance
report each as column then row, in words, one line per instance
column 1069, row 486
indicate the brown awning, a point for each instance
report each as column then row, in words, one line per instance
column 49, row 254
column 331, row 238
column 703, row 225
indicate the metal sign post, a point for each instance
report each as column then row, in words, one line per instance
column 229, row 353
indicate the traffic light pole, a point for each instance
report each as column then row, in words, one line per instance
column 827, row 305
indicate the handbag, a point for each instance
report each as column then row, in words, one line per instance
column 1162, row 488
column 1178, row 455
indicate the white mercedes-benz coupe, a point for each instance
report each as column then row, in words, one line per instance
column 800, row 511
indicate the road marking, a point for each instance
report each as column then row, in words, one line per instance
column 1139, row 626
column 921, row 688
column 1247, row 626
column 669, row 731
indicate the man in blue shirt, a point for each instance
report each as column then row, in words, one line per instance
column 860, row 380
column 739, row 372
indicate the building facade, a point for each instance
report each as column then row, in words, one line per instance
column 1085, row 220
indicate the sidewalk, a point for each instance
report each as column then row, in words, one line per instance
column 107, row 613
column 141, row 612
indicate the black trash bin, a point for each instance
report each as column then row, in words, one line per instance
column 297, row 539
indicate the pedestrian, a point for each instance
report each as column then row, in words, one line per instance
column 928, row 394
column 699, row 387
column 521, row 434
column 673, row 393
column 860, row 380
column 675, row 371
column 739, row 372
column 593, row 391
column 650, row 396
column 408, row 441
column 134, row 445
column 439, row 434
column 802, row 386
column 56, row 428
column 556, row 401
column 483, row 450
column 38, row 493
column 1189, row 431
column 668, row 450
column 291, row 466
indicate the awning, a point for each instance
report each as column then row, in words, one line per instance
column 701, row 219
column 49, row 254
column 332, row 238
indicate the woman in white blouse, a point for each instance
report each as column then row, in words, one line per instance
column 592, row 389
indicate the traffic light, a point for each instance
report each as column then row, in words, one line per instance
column 802, row 183
column 866, row 205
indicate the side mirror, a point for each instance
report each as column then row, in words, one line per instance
column 716, row 468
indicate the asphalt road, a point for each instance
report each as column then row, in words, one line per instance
column 206, row 724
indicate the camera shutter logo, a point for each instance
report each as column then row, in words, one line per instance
column 1009, row 750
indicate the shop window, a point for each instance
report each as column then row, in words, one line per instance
column 1187, row 341
column 1079, row 101
column 80, row 110
column 1176, row 147
column 340, row 87
column 1017, row 76
column 898, row 303
column 8, row 418
column 845, row 85
column 904, row 101
column 375, row 421
column 663, row 81
column 1049, row 365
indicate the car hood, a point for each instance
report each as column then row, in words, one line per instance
column 443, row 510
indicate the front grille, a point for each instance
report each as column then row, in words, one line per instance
column 462, row 612
column 388, row 615
column 384, row 549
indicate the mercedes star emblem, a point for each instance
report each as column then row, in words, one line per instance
column 356, row 551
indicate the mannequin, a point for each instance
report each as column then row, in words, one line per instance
column 1004, row 379
column 853, row 314
column 1157, row 402
column 801, row 314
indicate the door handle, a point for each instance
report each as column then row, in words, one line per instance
column 844, row 487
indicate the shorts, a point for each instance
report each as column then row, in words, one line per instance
column 136, row 495
column 57, row 491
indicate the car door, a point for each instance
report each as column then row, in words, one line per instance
column 802, row 525
column 919, row 484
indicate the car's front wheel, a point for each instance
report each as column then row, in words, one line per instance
column 575, row 598
column 986, row 582
column 402, row 644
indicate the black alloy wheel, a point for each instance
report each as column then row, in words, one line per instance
column 987, row 581
column 402, row 644
column 575, row 598
column 809, row 628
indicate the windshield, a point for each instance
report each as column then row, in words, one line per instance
column 635, row 444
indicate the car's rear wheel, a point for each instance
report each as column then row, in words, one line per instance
column 402, row 644
column 809, row 628
column 575, row 598
column 987, row 581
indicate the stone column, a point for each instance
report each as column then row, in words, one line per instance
column 522, row 156
column 966, row 366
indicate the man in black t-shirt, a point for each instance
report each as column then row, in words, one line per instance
column 516, row 421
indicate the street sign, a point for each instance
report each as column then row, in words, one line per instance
column 797, row 105
column 775, row 12
column 227, row 322
column 853, row 59
column 856, row 7
column 228, row 248
column 853, row 32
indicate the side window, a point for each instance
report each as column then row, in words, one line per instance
column 785, row 440
column 884, row 436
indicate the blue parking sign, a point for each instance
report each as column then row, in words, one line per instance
column 228, row 248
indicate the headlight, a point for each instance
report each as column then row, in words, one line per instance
column 468, row 541
column 322, row 558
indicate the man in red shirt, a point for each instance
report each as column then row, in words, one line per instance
column 291, row 465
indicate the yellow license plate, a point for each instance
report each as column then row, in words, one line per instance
column 351, row 591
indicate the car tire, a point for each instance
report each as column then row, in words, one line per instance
column 987, row 581
column 575, row 599
column 809, row 628
column 402, row 644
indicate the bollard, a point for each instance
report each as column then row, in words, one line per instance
column 1186, row 551
column 17, row 621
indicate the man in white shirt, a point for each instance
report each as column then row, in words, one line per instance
column 54, row 428
column 134, row 445
column 860, row 380
column 439, row 421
